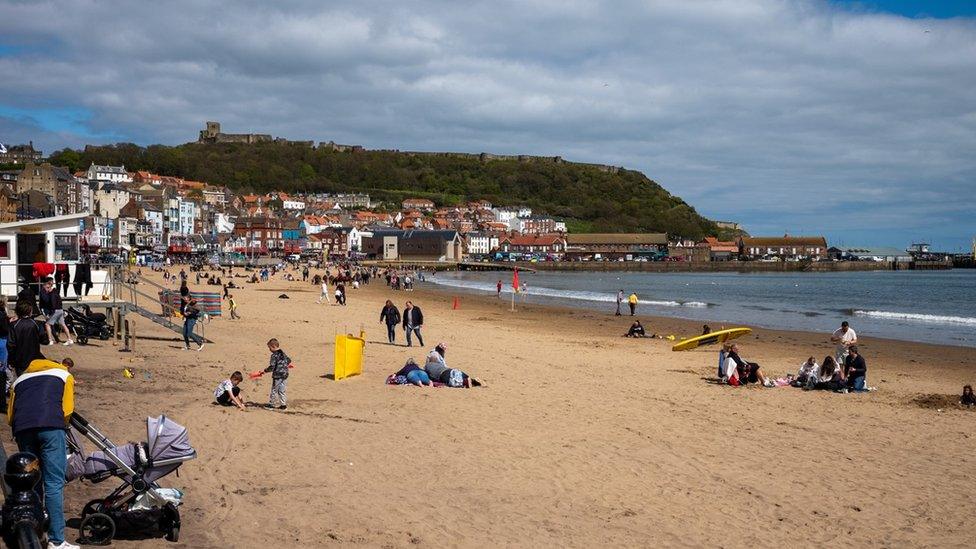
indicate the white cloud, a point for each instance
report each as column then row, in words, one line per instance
column 758, row 110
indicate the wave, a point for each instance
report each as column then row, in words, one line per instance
column 917, row 317
column 561, row 294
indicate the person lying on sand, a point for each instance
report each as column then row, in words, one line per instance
column 437, row 370
column 414, row 374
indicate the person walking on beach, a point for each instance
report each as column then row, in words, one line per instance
column 54, row 311
column 233, row 308
column 632, row 301
column 41, row 401
column 324, row 296
column 620, row 300
column 413, row 319
column 278, row 366
column 842, row 339
column 498, row 289
column 190, row 315
column 392, row 317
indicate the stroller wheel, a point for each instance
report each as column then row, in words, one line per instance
column 173, row 534
column 97, row 529
column 92, row 507
column 83, row 339
column 170, row 522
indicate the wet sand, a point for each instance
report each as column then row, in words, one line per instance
column 581, row 438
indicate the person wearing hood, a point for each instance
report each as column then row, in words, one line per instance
column 391, row 315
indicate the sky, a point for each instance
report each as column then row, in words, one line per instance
column 851, row 119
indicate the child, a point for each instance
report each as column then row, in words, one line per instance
column 807, row 371
column 967, row 396
column 278, row 366
column 233, row 307
column 228, row 393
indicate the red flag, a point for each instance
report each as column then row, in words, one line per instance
column 515, row 282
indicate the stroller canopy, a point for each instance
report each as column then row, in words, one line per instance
column 165, row 440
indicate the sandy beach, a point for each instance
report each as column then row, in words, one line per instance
column 581, row 437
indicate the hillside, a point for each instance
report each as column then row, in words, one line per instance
column 588, row 198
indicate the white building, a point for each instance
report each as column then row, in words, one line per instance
column 293, row 204
column 481, row 243
column 223, row 223
column 154, row 218
column 354, row 240
column 187, row 216
column 108, row 174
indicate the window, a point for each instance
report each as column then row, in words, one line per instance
column 4, row 249
column 66, row 247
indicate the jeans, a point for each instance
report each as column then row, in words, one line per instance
column 414, row 329
column 188, row 325
column 418, row 377
column 50, row 447
column 391, row 332
column 278, row 387
column 856, row 384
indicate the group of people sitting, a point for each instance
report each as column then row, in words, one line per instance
column 847, row 375
column 434, row 370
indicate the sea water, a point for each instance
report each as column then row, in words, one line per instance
column 926, row 306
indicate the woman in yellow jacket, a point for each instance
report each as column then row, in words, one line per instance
column 632, row 301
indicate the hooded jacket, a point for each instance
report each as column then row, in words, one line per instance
column 43, row 397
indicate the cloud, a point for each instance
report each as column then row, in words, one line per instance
column 775, row 113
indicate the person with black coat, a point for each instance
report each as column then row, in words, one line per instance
column 413, row 319
column 855, row 370
column 392, row 317
column 24, row 338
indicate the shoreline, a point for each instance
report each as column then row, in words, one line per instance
column 606, row 307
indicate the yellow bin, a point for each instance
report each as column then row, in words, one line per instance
column 348, row 355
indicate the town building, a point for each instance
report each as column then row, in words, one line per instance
column 590, row 246
column 108, row 174
column 783, row 248
column 543, row 246
column 420, row 204
column 537, row 225
column 481, row 244
column 721, row 251
column 397, row 245
column 19, row 154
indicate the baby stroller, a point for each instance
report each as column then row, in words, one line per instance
column 86, row 324
column 139, row 506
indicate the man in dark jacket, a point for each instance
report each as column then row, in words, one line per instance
column 413, row 319
column 856, row 370
column 392, row 317
column 24, row 340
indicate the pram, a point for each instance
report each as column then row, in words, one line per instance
column 139, row 505
column 87, row 325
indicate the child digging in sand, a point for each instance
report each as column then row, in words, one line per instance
column 228, row 393
column 278, row 366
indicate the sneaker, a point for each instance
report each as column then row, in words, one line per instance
column 768, row 383
column 268, row 406
column 282, row 407
column 186, row 347
column 69, row 342
column 62, row 545
column 49, row 343
column 200, row 348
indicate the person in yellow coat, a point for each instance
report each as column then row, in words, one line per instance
column 632, row 301
column 42, row 400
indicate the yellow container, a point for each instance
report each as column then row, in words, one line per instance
column 348, row 355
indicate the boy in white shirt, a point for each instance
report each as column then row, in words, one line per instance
column 228, row 393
